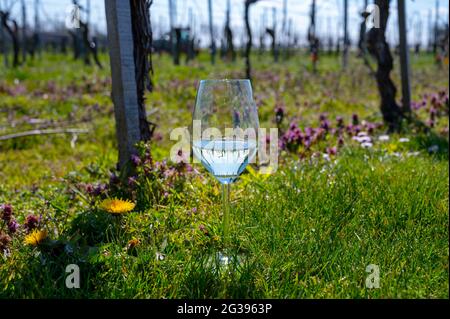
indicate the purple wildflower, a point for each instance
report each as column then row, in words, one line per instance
column 99, row 189
column 433, row 113
column 322, row 117
column 31, row 222
column 136, row 160
column 370, row 128
column 13, row 225
column 132, row 181
column 325, row 124
column 113, row 179
column 331, row 151
column 340, row 121
column 7, row 212
column 434, row 101
column 89, row 189
column 157, row 136
column 279, row 114
column 292, row 126
column 355, row 119
column 4, row 242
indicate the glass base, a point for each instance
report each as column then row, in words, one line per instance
column 225, row 261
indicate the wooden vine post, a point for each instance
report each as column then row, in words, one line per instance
column 404, row 58
column 130, row 66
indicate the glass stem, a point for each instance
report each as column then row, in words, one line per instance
column 226, row 214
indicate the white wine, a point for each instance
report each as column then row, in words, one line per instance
column 225, row 159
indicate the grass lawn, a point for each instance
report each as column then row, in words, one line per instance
column 307, row 231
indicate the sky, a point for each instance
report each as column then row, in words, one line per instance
column 329, row 16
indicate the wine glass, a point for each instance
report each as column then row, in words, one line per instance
column 226, row 121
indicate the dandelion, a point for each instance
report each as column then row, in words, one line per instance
column 35, row 237
column 117, row 206
column 133, row 243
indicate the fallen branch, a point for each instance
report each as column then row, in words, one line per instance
column 43, row 132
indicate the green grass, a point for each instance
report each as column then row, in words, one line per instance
column 307, row 231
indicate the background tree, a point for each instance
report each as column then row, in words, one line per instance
column 346, row 38
column 248, row 47
column 230, row 52
column 312, row 38
column 12, row 29
column 272, row 32
column 379, row 49
column 211, row 33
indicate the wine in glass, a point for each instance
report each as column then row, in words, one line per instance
column 227, row 119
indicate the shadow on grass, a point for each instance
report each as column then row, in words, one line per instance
column 434, row 144
column 44, row 272
column 207, row 278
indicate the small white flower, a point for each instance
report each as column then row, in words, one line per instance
column 383, row 138
column 326, row 156
column 363, row 133
column 404, row 140
column 366, row 145
column 362, row 139
column 409, row 154
column 160, row 256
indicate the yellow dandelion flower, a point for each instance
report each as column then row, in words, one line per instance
column 117, row 206
column 133, row 243
column 35, row 237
